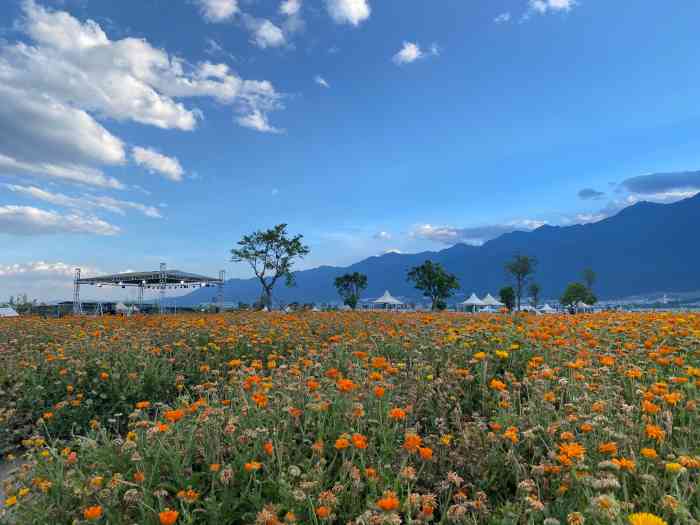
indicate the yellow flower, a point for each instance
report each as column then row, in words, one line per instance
column 644, row 518
column 673, row 468
column 11, row 501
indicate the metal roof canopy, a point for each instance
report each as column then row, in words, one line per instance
column 166, row 277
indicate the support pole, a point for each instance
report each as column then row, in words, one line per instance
column 220, row 297
column 163, row 281
column 77, row 306
column 140, row 297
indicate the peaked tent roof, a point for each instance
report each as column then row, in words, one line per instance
column 473, row 301
column 387, row 298
column 490, row 300
column 8, row 311
column 547, row 308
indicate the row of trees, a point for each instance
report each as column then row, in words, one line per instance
column 271, row 254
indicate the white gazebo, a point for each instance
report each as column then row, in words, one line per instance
column 474, row 302
column 8, row 311
column 387, row 301
column 546, row 309
column 490, row 300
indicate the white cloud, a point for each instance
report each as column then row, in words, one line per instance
column 321, row 81
column 352, row 12
column 27, row 220
column 84, row 202
column 290, row 7
column 218, row 10
column 476, row 235
column 382, row 236
column 168, row 167
column 502, row 18
column 257, row 121
column 264, row 33
column 40, row 267
column 68, row 74
column 543, row 6
column 411, row 51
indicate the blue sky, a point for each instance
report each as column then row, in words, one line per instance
column 142, row 131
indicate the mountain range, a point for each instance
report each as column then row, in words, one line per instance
column 645, row 248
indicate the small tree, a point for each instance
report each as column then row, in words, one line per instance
column 521, row 268
column 271, row 254
column 534, row 290
column 507, row 296
column 350, row 287
column 589, row 278
column 577, row 293
column 435, row 282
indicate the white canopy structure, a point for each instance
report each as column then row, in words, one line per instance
column 8, row 311
column 473, row 301
column 387, row 299
column 546, row 309
column 490, row 300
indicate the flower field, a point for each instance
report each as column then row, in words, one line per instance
column 363, row 418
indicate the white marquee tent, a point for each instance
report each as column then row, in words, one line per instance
column 8, row 311
column 490, row 300
column 546, row 309
column 474, row 302
column 388, row 301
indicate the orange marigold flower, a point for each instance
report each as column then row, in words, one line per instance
column 649, row 407
column 269, row 448
column 323, row 512
column 379, row 391
column 412, row 442
column 425, row 453
column 389, row 502
column 624, row 464
column 173, row 415
column 168, row 517
column 359, row 441
column 104, row 376
column 397, row 414
column 215, row 467
column 608, row 448
column 572, row 450
column 93, row 513
column 342, row 443
column 648, row 453
column 495, row 384
column 346, row 385
column 252, row 466
column 138, row 476
column 655, row 432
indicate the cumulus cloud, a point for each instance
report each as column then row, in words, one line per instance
column 28, row 221
column 477, row 235
column 264, row 33
column 218, row 10
column 411, row 51
column 352, row 12
column 84, row 202
column 168, row 167
column 590, row 194
column 543, row 6
column 258, row 122
column 290, row 7
column 382, row 236
column 42, row 280
column 67, row 74
column 321, row 81
column 502, row 18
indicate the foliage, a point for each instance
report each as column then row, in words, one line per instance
column 507, row 297
column 534, row 290
column 577, row 293
column 435, row 282
column 589, row 278
column 350, row 287
column 521, row 268
column 358, row 418
column 271, row 254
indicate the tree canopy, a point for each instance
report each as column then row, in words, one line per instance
column 435, row 282
column 521, row 268
column 271, row 254
column 577, row 293
column 350, row 287
column 507, row 296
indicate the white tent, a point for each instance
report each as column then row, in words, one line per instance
column 474, row 302
column 8, row 311
column 388, row 302
column 546, row 309
column 387, row 298
column 121, row 308
column 527, row 308
column 490, row 300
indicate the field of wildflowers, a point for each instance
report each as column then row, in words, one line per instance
column 363, row 418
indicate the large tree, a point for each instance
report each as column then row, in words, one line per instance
column 350, row 287
column 507, row 296
column 521, row 269
column 435, row 282
column 577, row 293
column 271, row 254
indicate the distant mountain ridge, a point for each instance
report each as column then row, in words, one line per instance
column 645, row 248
